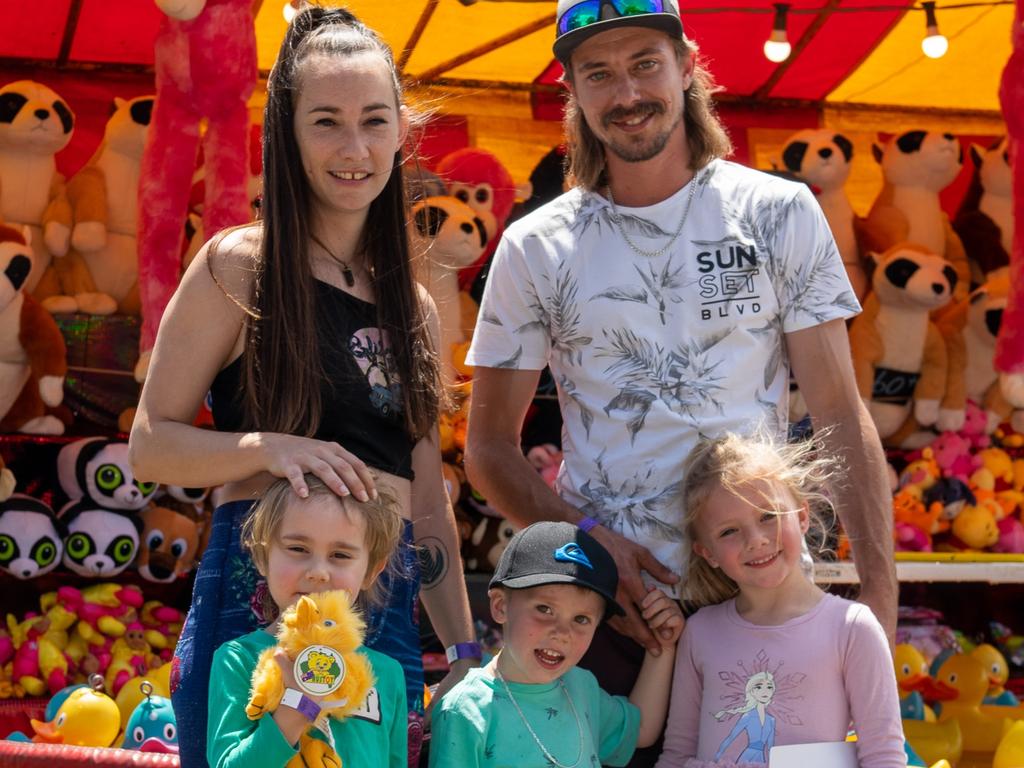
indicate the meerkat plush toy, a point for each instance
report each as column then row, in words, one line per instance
column 899, row 356
column 35, row 124
column 100, row 273
column 984, row 221
column 446, row 235
column 822, row 159
column 33, row 358
column 917, row 166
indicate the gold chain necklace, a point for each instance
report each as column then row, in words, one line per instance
column 522, row 716
column 617, row 218
column 346, row 270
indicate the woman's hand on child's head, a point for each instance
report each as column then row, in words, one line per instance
column 664, row 616
column 292, row 457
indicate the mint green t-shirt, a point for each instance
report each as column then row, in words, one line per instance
column 476, row 725
column 373, row 737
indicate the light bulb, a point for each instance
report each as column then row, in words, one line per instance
column 777, row 47
column 777, row 50
column 934, row 44
column 289, row 11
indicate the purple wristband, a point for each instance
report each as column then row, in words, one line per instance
column 301, row 703
column 587, row 524
column 470, row 650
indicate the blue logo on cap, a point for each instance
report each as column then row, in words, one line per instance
column 572, row 553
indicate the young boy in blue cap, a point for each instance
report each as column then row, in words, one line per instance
column 531, row 705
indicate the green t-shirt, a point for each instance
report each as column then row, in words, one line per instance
column 476, row 725
column 374, row 737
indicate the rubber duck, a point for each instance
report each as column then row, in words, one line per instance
column 968, row 679
column 998, row 673
column 131, row 695
column 152, row 726
column 935, row 742
column 913, row 680
column 1010, row 752
column 87, row 718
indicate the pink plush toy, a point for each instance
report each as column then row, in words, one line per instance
column 1009, row 360
column 953, row 455
column 1011, row 536
column 546, row 459
column 975, row 427
column 205, row 69
column 910, row 538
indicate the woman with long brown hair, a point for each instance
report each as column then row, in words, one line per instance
column 317, row 347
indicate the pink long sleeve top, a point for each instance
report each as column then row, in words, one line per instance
column 739, row 688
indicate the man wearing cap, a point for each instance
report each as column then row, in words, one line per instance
column 670, row 291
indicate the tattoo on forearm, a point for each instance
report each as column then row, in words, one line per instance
column 433, row 558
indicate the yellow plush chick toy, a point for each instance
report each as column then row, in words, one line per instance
column 324, row 619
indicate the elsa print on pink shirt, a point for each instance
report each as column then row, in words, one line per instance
column 760, row 701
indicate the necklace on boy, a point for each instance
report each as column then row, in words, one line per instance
column 617, row 218
column 346, row 270
column 522, row 716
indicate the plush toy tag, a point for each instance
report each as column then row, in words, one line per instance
column 324, row 726
column 319, row 670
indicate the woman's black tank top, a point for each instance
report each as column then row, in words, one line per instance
column 363, row 408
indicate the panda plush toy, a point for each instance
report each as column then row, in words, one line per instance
column 31, row 537
column 97, row 469
column 100, row 543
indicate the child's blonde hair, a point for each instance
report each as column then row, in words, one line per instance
column 384, row 526
column 731, row 462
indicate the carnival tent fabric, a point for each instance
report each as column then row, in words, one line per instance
column 844, row 51
column 850, row 58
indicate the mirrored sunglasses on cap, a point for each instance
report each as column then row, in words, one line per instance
column 588, row 12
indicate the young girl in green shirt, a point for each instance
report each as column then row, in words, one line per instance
column 301, row 546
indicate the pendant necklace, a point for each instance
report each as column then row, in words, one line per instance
column 617, row 218
column 346, row 270
column 543, row 749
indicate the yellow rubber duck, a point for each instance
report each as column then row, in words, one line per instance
column 131, row 694
column 913, row 680
column 87, row 718
column 982, row 728
column 998, row 673
column 935, row 743
column 1010, row 752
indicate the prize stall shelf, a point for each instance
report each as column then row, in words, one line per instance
column 954, row 567
column 970, row 590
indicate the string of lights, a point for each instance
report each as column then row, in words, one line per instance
column 777, row 47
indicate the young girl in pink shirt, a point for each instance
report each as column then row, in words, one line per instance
column 770, row 659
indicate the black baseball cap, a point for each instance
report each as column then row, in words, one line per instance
column 578, row 20
column 559, row 553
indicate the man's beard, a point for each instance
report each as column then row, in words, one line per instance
column 633, row 152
